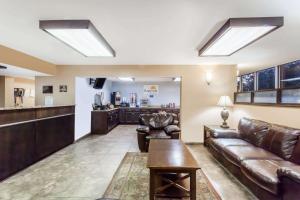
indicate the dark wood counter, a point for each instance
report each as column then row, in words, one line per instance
column 27, row 135
column 103, row 121
column 131, row 115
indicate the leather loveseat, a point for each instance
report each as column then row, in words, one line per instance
column 156, row 126
column 265, row 157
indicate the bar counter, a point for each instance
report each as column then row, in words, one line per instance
column 28, row 135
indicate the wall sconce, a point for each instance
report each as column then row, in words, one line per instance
column 208, row 77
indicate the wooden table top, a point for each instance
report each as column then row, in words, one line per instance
column 170, row 154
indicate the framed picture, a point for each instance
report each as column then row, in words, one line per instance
column 47, row 89
column 63, row 88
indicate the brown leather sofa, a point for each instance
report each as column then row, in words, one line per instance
column 265, row 157
column 156, row 126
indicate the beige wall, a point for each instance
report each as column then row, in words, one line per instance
column 2, row 91
column 288, row 116
column 198, row 100
column 19, row 59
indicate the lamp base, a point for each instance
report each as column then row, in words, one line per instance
column 224, row 115
column 224, row 126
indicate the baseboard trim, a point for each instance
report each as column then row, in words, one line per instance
column 193, row 143
column 83, row 137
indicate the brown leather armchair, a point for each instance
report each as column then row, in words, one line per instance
column 156, row 126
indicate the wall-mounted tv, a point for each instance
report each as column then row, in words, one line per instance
column 47, row 89
column 99, row 82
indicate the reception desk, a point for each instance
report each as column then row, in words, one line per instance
column 27, row 135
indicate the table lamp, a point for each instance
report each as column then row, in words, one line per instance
column 225, row 101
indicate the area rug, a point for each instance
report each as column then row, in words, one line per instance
column 131, row 181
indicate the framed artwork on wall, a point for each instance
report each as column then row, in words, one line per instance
column 63, row 88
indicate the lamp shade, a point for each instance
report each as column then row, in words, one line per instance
column 225, row 101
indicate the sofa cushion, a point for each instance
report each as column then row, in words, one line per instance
column 220, row 143
column 281, row 140
column 236, row 154
column 264, row 172
column 171, row 128
column 160, row 120
column 252, row 130
column 157, row 134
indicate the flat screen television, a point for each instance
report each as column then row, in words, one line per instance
column 99, row 82
column 47, row 89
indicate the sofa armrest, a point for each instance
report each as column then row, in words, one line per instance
column 175, row 135
column 225, row 134
column 292, row 173
column 173, row 131
column 143, row 129
column 290, row 182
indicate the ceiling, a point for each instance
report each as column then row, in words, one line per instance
column 19, row 72
column 151, row 32
column 145, row 79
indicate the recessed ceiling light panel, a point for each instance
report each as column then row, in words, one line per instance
column 126, row 79
column 81, row 35
column 238, row 33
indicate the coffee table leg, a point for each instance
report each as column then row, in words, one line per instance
column 152, row 185
column 193, row 185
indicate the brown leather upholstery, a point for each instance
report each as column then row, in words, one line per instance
column 252, row 130
column 220, row 143
column 290, row 182
column 171, row 129
column 264, row 173
column 266, row 158
column 296, row 153
column 281, row 140
column 236, row 154
column 226, row 134
column 160, row 120
column 143, row 129
column 156, row 126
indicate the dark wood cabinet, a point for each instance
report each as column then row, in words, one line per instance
column 16, row 148
column 30, row 136
column 131, row 115
column 53, row 134
column 103, row 121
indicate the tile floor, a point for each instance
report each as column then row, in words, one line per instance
column 82, row 171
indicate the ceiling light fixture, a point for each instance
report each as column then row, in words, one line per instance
column 238, row 33
column 177, row 79
column 81, row 35
column 126, row 79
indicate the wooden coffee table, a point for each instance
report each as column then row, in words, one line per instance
column 170, row 164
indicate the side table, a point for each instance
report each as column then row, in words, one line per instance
column 209, row 129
